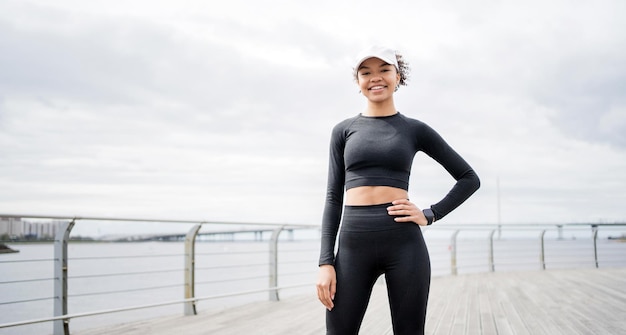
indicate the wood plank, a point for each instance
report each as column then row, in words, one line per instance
column 448, row 291
column 487, row 322
column 436, row 306
column 581, row 301
column 497, row 298
column 473, row 313
column 527, row 309
column 459, row 322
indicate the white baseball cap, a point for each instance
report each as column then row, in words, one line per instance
column 385, row 54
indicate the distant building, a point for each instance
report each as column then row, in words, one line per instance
column 11, row 226
column 40, row 230
column 19, row 228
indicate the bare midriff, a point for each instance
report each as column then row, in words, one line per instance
column 374, row 195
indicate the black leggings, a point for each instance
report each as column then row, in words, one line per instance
column 372, row 243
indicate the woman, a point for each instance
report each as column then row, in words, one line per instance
column 370, row 157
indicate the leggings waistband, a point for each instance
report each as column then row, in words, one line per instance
column 370, row 218
column 367, row 208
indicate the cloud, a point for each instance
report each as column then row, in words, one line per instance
column 160, row 109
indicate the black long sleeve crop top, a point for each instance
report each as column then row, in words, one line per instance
column 379, row 151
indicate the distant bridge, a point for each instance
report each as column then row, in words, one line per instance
column 217, row 236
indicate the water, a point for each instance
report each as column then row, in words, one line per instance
column 221, row 268
column 107, row 275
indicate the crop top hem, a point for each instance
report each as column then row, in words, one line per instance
column 376, row 181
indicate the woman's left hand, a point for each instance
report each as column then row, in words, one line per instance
column 407, row 211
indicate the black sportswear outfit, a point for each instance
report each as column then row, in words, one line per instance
column 379, row 151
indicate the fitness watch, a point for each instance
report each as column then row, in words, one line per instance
column 430, row 216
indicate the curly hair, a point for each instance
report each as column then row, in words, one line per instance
column 403, row 70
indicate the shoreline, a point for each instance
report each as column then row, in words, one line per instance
column 5, row 249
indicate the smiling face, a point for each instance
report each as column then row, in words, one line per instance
column 377, row 79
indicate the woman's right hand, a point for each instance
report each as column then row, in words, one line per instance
column 327, row 286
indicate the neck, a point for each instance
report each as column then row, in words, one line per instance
column 383, row 108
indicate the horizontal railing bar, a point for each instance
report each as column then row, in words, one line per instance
column 229, row 279
column 294, row 273
column 615, row 257
column 579, row 262
column 516, row 226
column 287, row 226
column 24, row 280
column 469, row 258
column 229, row 266
column 119, row 274
column 520, row 262
column 496, row 264
column 125, row 291
column 298, row 251
column 275, row 288
column 565, row 261
column 521, row 254
column 554, row 255
column 296, row 262
column 486, row 265
column 166, row 303
column 90, row 258
column 22, row 301
column 97, row 218
column 229, row 253
column 29, row 260
column 521, row 227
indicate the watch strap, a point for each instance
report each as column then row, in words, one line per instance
column 430, row 216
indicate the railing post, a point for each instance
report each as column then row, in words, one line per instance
column 274, row 264
column 594, row 229
column 190, row 267
column 492, row 266
column 453, row 253
column 61, row 326
column 542, row 255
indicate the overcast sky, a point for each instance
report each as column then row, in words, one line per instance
column 210, row 110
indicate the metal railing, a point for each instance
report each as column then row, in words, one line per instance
column 530, row 231
column 461, row 257
column 61, row 297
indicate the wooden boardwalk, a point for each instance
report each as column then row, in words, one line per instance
column 552, row 302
